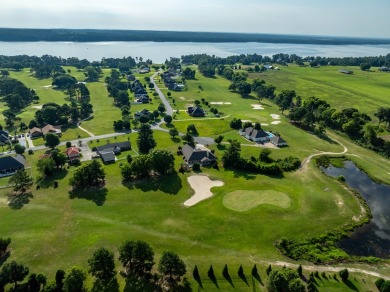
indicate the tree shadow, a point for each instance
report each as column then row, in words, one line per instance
column 350, row 285
column 247, row 176
column 244, row 279
column 98, row 196
column 4, row 257
column 227, row 277
column 170, row 184
column 48, row 181
column 258, row 278
column 16, row 202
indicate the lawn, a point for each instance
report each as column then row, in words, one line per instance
column 238, row 225
column 364, row 90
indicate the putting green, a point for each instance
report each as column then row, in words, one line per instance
column 242, row 200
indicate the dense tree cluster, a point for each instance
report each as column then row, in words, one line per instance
column 231, row 158
column 285, row 279
column 118, row 89
column 15, row 94
column 145, row 139
column 158, row 161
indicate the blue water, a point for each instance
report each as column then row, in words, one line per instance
column 372, row 239
column 159, row 52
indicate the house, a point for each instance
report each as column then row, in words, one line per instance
column 143, row 98
column 138, row 89
column 178, row 87
column 139, row 114
column 35, row 132
column 51, row 129
column 384, row 69
column 107, row 152
column 108, row 157
column 144, row 70
column 4, row 136
column 254, row 135
column 195, row 111
column 278, row 141
column 268, row 67
column 130, row 77
column 72, row 153
column 345, row 71
column 10, row 164
column 199, row 154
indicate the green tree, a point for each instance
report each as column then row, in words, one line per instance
column 91, row 73
column 296, row 285
column 4, row 243
column 136, row 258
column 163, row 161
column 52, row 140
column 21, row 181
column 188, row 138
column 14, row 272
column 19, row 149
column 231, row 157
column 60, row 276
column 87, row 175
column 145, row 140
column 344, row 274
column 46, row 166
column 218, row 139
column 173, row 132
column 365, row 66
column 74, row 280
column 168, row 119
column 171, row 266
column 102, row 265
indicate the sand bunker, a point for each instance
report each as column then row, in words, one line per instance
column 47, row 86
column 201, row 185
column 275, row 116
column 257, row 106
column 220, row 102
column 275, row 122
column 182, row 98
column 264, row 124
column 38, row 106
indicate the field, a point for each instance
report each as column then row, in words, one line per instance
column 237, row 226
column 364, row 90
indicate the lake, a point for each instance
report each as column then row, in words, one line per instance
column 372, row 239
column 158, row 52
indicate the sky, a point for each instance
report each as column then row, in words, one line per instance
column 356, row 18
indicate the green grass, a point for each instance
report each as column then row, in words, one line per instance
column 55, row 231
column 245, row 200
column 364, row 90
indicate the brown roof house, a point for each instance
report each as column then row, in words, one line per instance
column 51, row 129
column 199, row 154
column 35, row 132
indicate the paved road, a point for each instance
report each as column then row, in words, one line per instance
column 168, row 107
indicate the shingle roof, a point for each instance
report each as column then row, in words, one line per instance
column 8, row 162
column 107, row 156
column 197, row 154
column 109, row 147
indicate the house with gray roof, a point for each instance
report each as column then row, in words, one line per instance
column 10, row 164
column 198, row 154
column 254, row 135
column 195, row 111
column 278, row 141
column 4, row 136
column 107, row 152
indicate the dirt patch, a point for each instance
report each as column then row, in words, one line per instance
column 201, row 184
column 182, row 98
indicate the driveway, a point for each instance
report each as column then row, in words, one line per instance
column 85, row 151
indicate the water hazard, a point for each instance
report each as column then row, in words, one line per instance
column 372, row 239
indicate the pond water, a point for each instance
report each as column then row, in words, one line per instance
column 372, row 239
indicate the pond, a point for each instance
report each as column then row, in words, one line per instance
column 372, row 239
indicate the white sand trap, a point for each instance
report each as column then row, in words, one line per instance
column 47, row 86
column 182, row 98
column 275, row 122
column 220, row 102
column 245, row 121
column 38, row 106
column 201, row 185
column 257, row 106
column 275, row 116
column 264, row 124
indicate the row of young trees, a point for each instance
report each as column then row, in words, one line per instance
column 136, row 257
